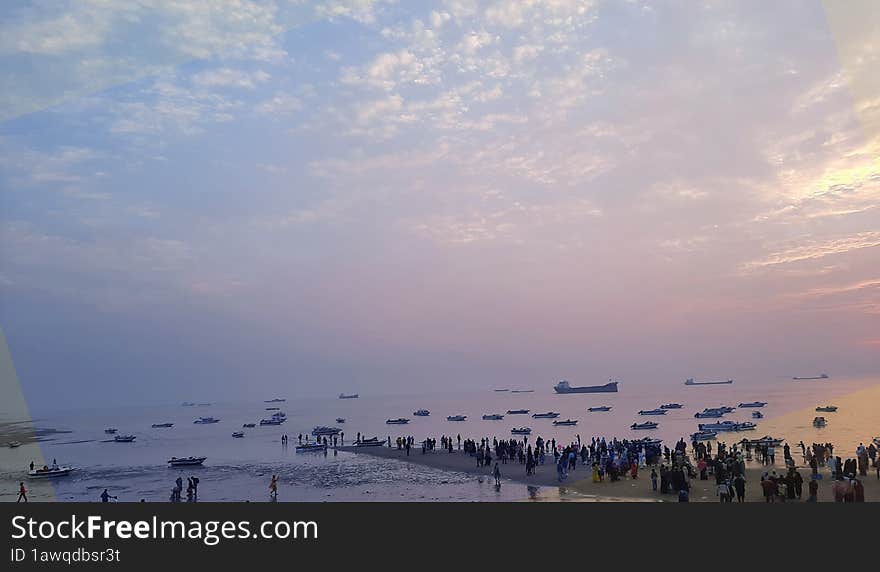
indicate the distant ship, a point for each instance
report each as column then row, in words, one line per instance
column 691, row 381
column 564, row 387
column 821, row 376
column 350, row 396
column 275, row 400
column 522, row 391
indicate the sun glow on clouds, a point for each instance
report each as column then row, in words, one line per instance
column 552, row 183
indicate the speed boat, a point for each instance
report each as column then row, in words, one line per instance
column 645, row 425
column 249, row 425
column 238, row 434
column 371, row 442
column 671, row 406
column 766, row 440
column 422, row 413
column 398, row 421
column 703, row 435
column 322, row 430
column 708, row 414
column 124, row 438
column 827, row 409
column 648, row 441
column 521, row 431
column 206, row 421
column 272, row 421
column 753, row 404
column 517, row 411
column 493, row 417
column 727, row 426
column 566, row 422
column 599, row 408
column 51, row 472
column 162, row 425
column 548, row 415
column 819, row 422
column 186, row 461
column 456, row 417
column 309, row 447
column 652, row 412
column 757, row 415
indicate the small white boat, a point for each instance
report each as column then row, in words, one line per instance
column 310, row 447
column 819, row 422
column 645, row 425
column 51, row 472
column 421, row 413
column 827, row 409
column 652, row 412
column 186, row 461
column 14, row 444
column 521, row 431
column 124, row 438
column 162, row 425
column 340, row 419
column 238, row 434
column 599, row 408
column 110, row 430
column 205, row 421
column 493, row 417
column 566, row 422
column 548, row 415
column 456, row 417
column 398, row 421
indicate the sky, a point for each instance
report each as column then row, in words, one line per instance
column 219, row 200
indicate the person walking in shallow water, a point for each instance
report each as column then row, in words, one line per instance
column 22, row 492
column 497, row 474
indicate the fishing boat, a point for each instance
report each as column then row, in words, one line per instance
column 565, row 422
column 517, row 411
column 398, row 421
column 565, row 387
column 456, row 417
column 110, row 430
column 206, row 421
column 648, row 441
column 645, row 425
column 827, row 409
column 422, row 413
column 521, row 431
column 51, row 472
column 124, row 438
column 652, row 412
column 340, row 419
column 692, row 381
column 348, row 396
column 599, row 408
column 727, row 426
column 14, row 444
column 187, row 404
column 820, row 376
column 249, row 425
column 276, row 400
column 703, row 435
column 493, row 417
column 272, row 408
column 273, row 421
column 186, row 461
column 765, row 440
column 310, row 447
column 162, row 425
column 500, row 390
column 548, row 415
column 709, row 414
column 238, row 434
column 819, row 422
column 753, row 404
column 371, row 442
column 321, row 430
column 757, row 415
column 671, row 406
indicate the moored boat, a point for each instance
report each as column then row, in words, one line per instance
column 565, row 422
column 819, row 422
column 753, row 404
column 323, row 430
column 827, row 409
column 111, row 430
column 521, row 430
column 310, row 447
column 272, row 421
column 162, row 425
column 348, row 396
column 671, row 406
column 249, row 425
column 703, row 435
column 517, row 411
column 238, row 434
column 398, row 421
column 422, row 413
column 599, row 408
column 820, row 376
column 709, row 414
column 692, row 381
column 276, row 400
column 371, row 442
column 757, row 415
column 186, row 461
column 456, row 417
column 124, row 438
column 548, row 415
column 340, row 419
column 493, row 417
column 643, row 426
column 206, row 421
column 652, row 412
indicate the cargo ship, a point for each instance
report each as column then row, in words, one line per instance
column 564, row 387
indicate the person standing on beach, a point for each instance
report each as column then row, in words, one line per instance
column 814, row 491
column 105, row 496
column 32, row 465
column 22, row 492
column 739, row 485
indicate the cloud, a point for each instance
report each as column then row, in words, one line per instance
column 812, row 249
